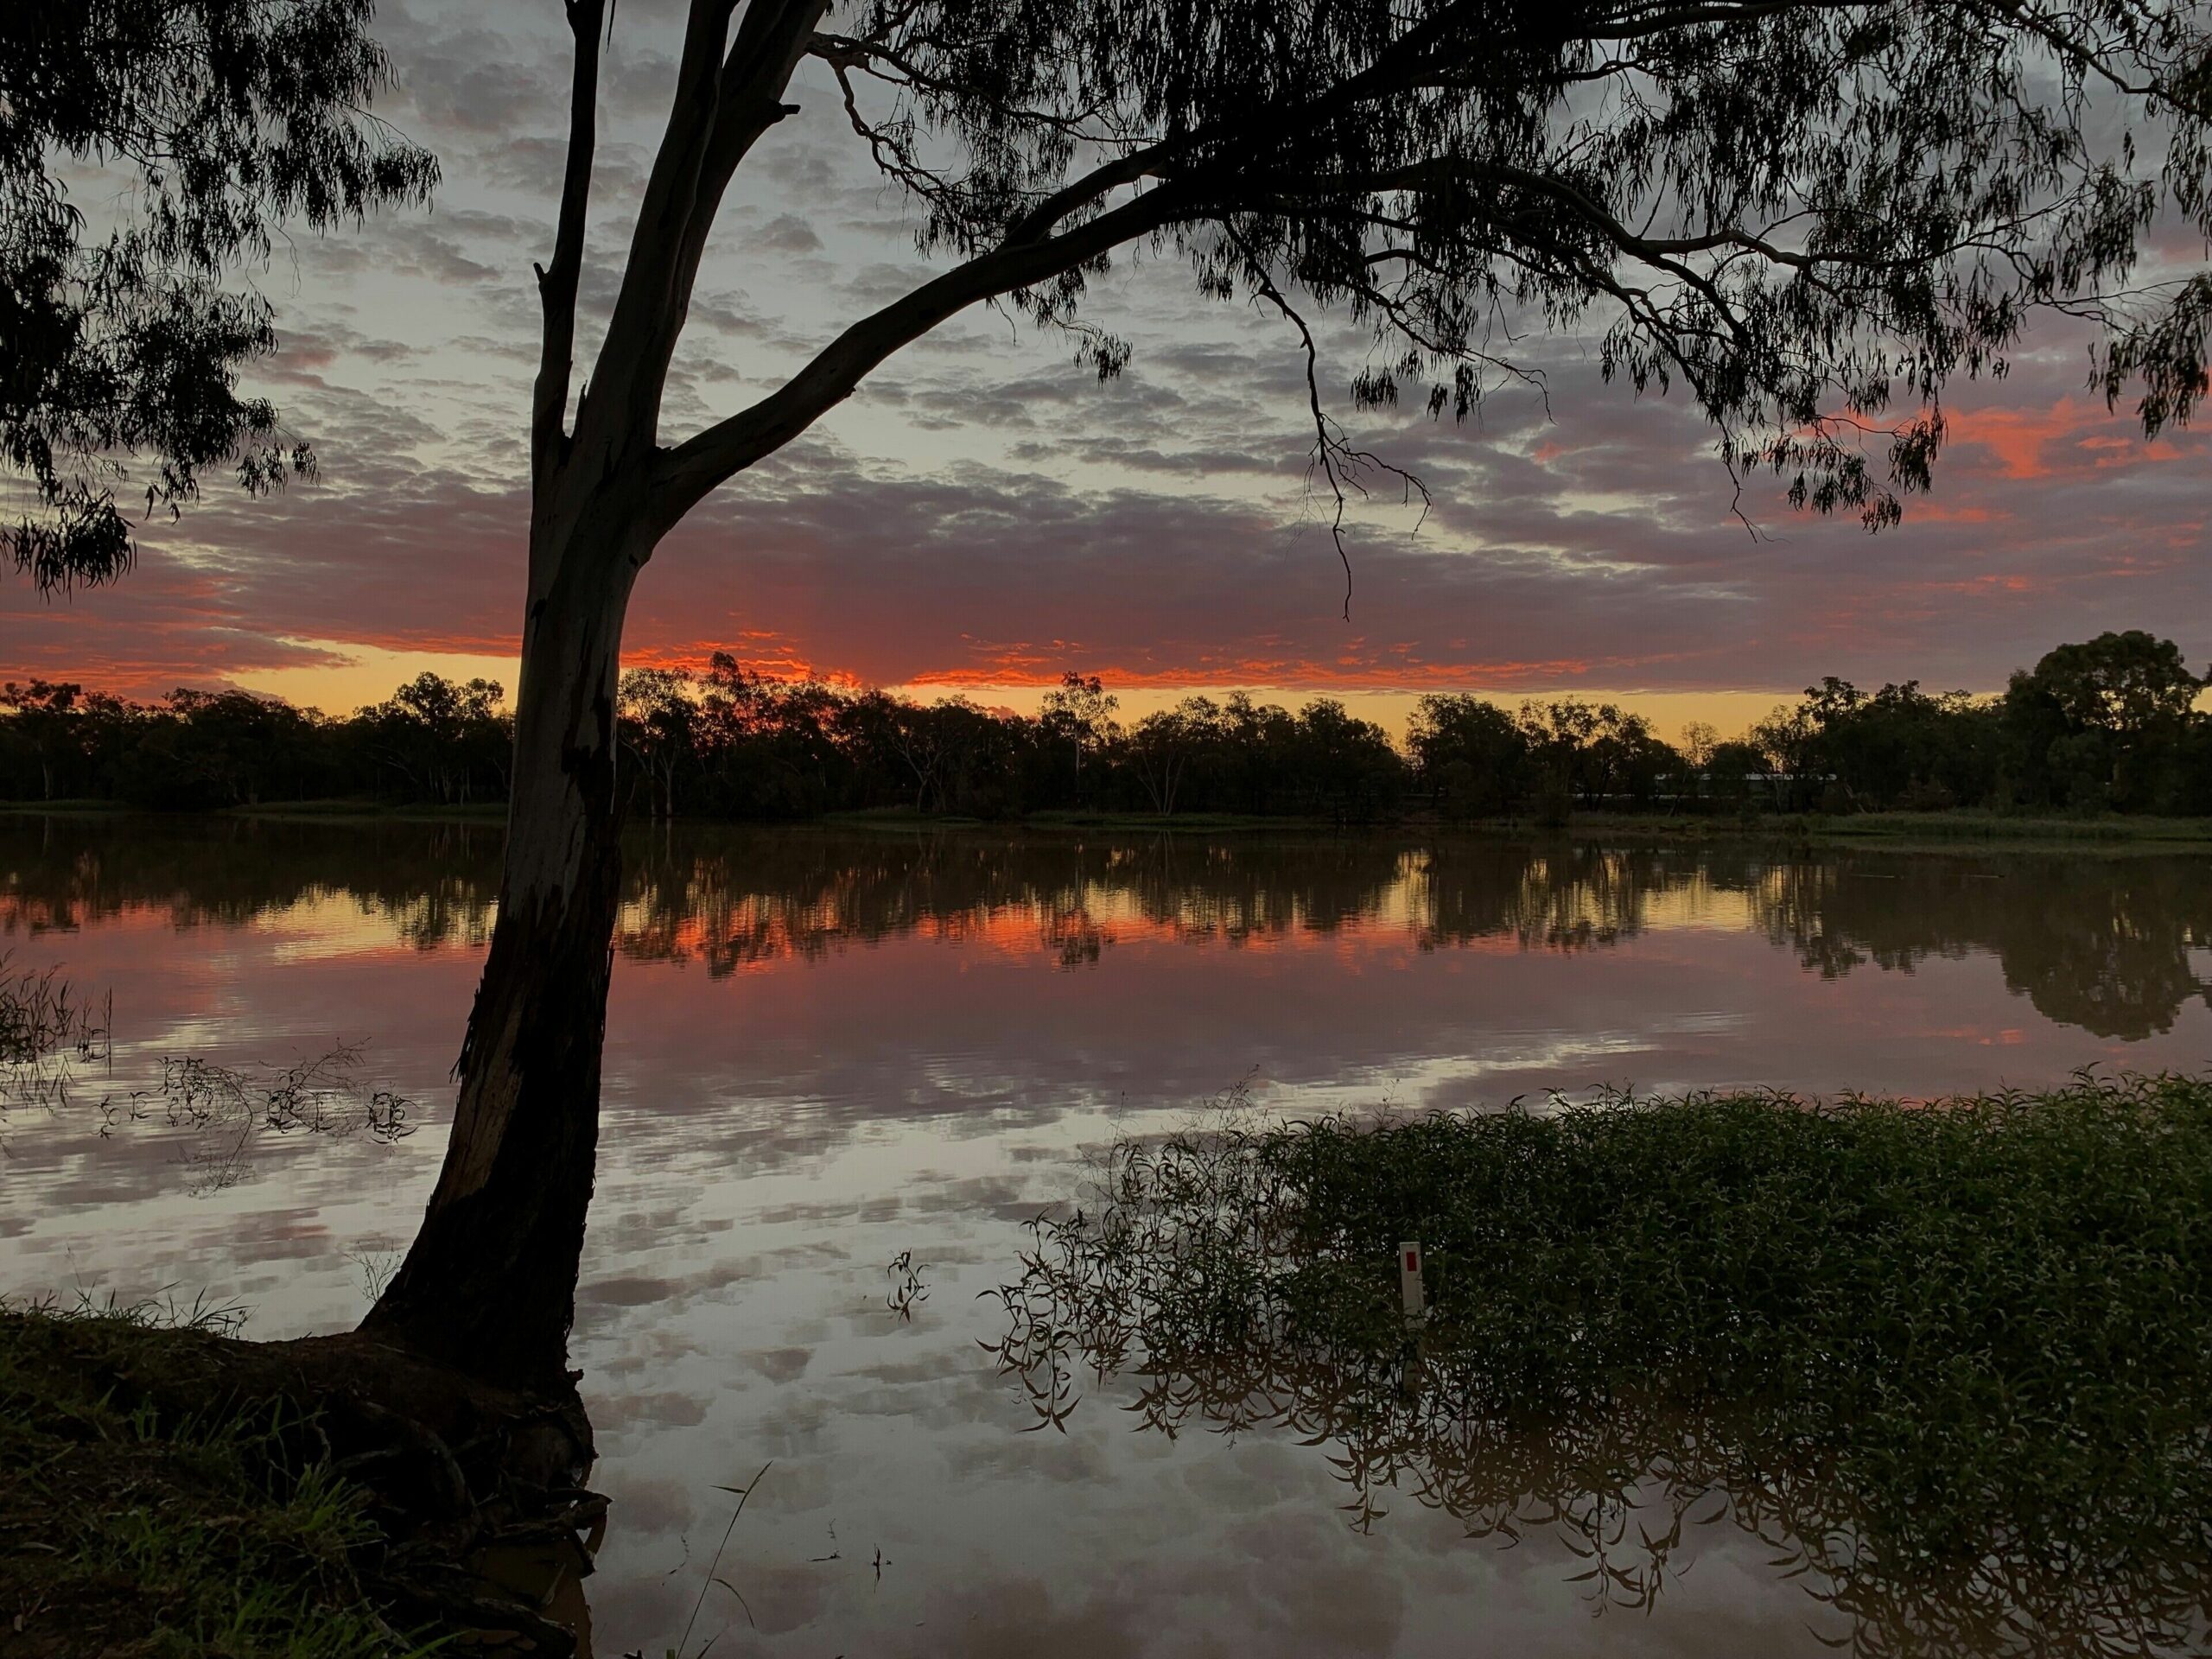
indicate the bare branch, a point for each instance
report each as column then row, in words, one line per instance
column 1338, row 461
column 632, row 370
column 557, row 284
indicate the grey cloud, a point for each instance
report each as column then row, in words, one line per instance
column 474, row 81
column 786, row 233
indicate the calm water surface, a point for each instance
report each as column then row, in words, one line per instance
column 828, row 1048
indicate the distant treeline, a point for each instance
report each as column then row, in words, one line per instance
column 2108, row 725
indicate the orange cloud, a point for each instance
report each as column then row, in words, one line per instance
column 2075, row 435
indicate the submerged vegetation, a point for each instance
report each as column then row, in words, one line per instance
column 1954, row 1359
column 42, row 1016
column 49, row 1030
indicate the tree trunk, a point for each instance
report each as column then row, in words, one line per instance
column 489, row 1284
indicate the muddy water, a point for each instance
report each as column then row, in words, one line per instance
column 827, row 1049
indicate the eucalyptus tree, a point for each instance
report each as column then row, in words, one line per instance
column 124, row 331
column 1082, row 708
column 1806, row 215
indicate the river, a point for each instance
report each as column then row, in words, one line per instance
column 829, row 1049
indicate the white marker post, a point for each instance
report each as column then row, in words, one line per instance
column 1409, row 1280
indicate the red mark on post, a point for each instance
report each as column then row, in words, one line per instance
column 1410, row 1283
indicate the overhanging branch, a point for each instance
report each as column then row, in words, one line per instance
column 683, row 475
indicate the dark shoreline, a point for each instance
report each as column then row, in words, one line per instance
column 1963, row 826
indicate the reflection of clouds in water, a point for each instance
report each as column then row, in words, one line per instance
column 898, row 1440
column 907, row 1064
column 634, row 1291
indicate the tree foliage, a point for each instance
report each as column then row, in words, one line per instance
column 123, row 329
column 1808, row 215
column 2111, row 721
column 433, row 740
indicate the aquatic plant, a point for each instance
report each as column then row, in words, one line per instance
column 47, row 1029
column 42, row 1014
column 227, row 1110
column 1953, row 1359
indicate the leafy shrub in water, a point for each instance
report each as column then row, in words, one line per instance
column 1958, row 1354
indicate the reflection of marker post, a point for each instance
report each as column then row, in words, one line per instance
column 1409, row 1280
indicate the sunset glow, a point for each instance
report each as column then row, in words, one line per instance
column 983, row 515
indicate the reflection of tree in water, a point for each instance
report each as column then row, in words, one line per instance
column 2099, row 942
column 434, row 884
column 731, row 898
column 734, row 898
column 1948, row 1476
column 1558, row 896
column 2102, row 943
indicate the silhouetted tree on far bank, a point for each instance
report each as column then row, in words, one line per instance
column 57, row 727
column 659, row 721
column 2106, row 725
column 1082, row 708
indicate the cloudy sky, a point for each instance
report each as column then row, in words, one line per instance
column 984, row 514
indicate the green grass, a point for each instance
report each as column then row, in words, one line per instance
column 338, row 810
column 874, row 816
column 1954, row 1359
column 1183, row 822
column 127, row 1536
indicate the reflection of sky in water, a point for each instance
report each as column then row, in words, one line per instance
column 824, row 1050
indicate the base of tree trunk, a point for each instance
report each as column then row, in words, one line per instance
column 476, row 1490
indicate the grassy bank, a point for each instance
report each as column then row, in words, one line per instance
column 1969, row 826
column 1899, row 829
column 73, row 807
column 378, row 811
column 336, row 812
column 1957, row 1356
column 127, row 1531
column 168, row 1490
